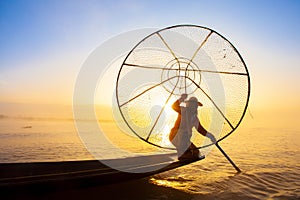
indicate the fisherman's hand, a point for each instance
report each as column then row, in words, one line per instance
column 211, row 137
column 183, row 97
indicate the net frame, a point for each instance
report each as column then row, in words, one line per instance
column 211, row 31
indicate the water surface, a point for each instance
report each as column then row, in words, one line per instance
column 267, row 155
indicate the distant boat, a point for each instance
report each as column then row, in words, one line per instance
column 27, row 127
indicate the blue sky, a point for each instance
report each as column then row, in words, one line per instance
column 43, row 43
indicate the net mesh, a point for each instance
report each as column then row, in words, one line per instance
column 176, row 60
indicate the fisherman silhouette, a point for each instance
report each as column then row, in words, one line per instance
column 181, row 133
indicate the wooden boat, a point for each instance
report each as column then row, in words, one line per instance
column 73, row 174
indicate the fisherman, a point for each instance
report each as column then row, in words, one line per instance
column 181, row 133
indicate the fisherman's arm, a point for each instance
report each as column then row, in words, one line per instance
column 201, row 129
column 176, row 104
column 205, row 133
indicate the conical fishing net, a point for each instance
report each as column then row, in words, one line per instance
column 184, row 59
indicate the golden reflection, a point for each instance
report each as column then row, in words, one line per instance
column 172, row 183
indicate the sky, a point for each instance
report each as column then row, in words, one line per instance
column 43, row 44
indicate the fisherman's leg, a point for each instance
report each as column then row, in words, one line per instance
column 176, row 141
column 183, row 147
column 195, row 152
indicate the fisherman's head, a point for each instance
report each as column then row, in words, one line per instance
column 193, row 103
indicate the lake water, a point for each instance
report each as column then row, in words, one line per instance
column 267, row 152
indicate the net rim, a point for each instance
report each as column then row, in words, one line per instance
column 177, row 26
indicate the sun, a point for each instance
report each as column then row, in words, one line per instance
column 170, row 116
